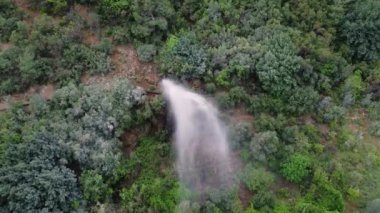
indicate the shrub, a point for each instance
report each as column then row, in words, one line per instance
column 35, row 178
column 268, row 123
column 240, row 135
column 210, row 88
column 373, row 206
column 256, row 179
column 263, row 200
column 93, row 187
column 183, row 57
column 105, row 46
column 266, row 104
column 360, row 23
column 146, row 52
column 224, row 101
column 278, row 66
column 238, row 95
column 322, row 193
column 297, row 168
column 264, row 146
column 302, row 100
column 374, row 128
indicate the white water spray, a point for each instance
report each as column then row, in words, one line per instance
column 203, row 160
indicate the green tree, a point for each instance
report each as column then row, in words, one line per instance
column 264, row 146
column 278, row 66
column 297, row 168
column 360, row 29
column 34, row 177
column 93, row 187
column 184, row 57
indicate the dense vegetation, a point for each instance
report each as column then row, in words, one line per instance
column 305, row 72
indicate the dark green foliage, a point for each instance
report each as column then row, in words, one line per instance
column 88, row 118
column 303, row 100
column 360, row 27
column 240, row 135
column 148, row 21
column 34, row 177
column 321, row 17
column 297, row 168
column 49, row 53
column 264, row 146
column 9, row 17
column 51, row 6
column 259, row 13
column 264, row 201
column 293, row 64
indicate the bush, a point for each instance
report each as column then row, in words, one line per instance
column 238, row 95
column 373, row 206
column 303, row 100
column 224, row 101
column 360, row 23
column 374, row 128
column 322, row 193
column 264, row 146
column 268, row 123
column 263, row 200
column 256, row 179
column 93, row 187
column 183, row 57
column 210, row 88
column 35, row 178
column 146, row 52
column 278, row 66
column 297, row 168
column 240, row 135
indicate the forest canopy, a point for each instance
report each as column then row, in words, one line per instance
column 297, row 83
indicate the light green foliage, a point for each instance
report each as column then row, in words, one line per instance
column 359, row 28
column 256, row 179
column 354, row 85
column 153, row 190
column 93, row 187
column 278, row 66
column 323, row 194
column 183, row 57
column 297, row 168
